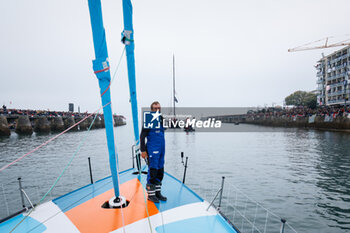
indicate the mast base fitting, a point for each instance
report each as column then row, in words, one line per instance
column 116, row 203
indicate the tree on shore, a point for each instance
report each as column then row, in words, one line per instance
column 302, row 98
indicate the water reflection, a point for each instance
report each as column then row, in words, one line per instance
column 300, row 175
column 319, row 164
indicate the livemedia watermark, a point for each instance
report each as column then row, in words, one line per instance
column 203, row 119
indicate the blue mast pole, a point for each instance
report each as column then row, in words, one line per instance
column 101, row 69
column 128, row 40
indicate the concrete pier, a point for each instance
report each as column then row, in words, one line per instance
column 320, row 122
column 42, row 125
column 24, row 126
column 103, row 122
column 83, row 125
column 54, row 123
column 89, row 121
column 97, row 123
column 118, row 121
column 4, row 127
column 70, row 121
column 57, row 124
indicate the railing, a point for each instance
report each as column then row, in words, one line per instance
column 241, row 211
column 332, row 77
column 17, row 196
column 16, row 204
column 336, row 84
column 336, row 93
column 336, row 101
column 251, row 216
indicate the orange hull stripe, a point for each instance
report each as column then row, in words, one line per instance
column 91, row 217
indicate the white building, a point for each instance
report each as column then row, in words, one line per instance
column 333, row 73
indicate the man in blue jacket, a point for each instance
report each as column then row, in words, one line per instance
column 154, row 150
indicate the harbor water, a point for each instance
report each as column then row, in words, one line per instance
column 300, row 175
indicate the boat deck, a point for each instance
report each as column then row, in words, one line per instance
column 81, row 210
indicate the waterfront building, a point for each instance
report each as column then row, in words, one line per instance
column 333, row 73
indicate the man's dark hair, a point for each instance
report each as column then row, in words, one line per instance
column 154, row 103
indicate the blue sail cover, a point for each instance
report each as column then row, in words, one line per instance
column 101, row 69
column 130, row 47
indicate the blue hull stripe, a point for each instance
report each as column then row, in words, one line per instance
column 205, row 224
column 28, row 223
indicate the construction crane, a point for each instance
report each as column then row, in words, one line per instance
column 323, row 46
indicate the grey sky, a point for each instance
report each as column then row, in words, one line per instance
column 228, row 53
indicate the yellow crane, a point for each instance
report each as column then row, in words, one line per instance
column 324, row 45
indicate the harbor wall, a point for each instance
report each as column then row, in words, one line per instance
column 4, row 127
column 27, row 124
column 314, row 121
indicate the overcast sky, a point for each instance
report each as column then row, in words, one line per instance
column 228, row 53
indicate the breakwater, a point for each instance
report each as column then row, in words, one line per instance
column 329, row 122
column 27, row 124
column 324, row 121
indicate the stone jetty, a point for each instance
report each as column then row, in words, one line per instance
column 317, row 122
column 324, row 122
column 42, row 125
column 70, row 121
column 27, row 124
column 4, row 127
column 119, row 120
column 23, row 126
column 57, row 124
column 83, row 125
column 89, row 121
column 97, row 123
column 103, row 121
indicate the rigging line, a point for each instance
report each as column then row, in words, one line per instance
column 146, row 202
column 47, row 142
column 64, row 169
column 63, row 132
column 115, row 136
column 70, row 161
column 115, row 73
column 257, row 203
column 115, row 150
column 161, row 214
column 78, row 149
column 72, row 204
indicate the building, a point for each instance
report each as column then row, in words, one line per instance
column 71, row 107
column 332, row 78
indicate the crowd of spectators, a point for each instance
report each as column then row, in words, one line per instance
column 12, row 112
column 300, row 111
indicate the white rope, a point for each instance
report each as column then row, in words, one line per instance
column 291, row 227
column 256, row 211
column 115, row 137
column 7, row 207
column 240, row 213
column 235, row 208
column 245, row 208
column 161, row 214
column 267, row 215
column 257, row 203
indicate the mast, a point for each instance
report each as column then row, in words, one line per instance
column 128, row 40
column 101, row 69
column 174, row 84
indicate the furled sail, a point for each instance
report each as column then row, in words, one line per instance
column 101, row 69
column 128, row 40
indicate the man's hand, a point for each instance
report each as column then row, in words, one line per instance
column 144, row 154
